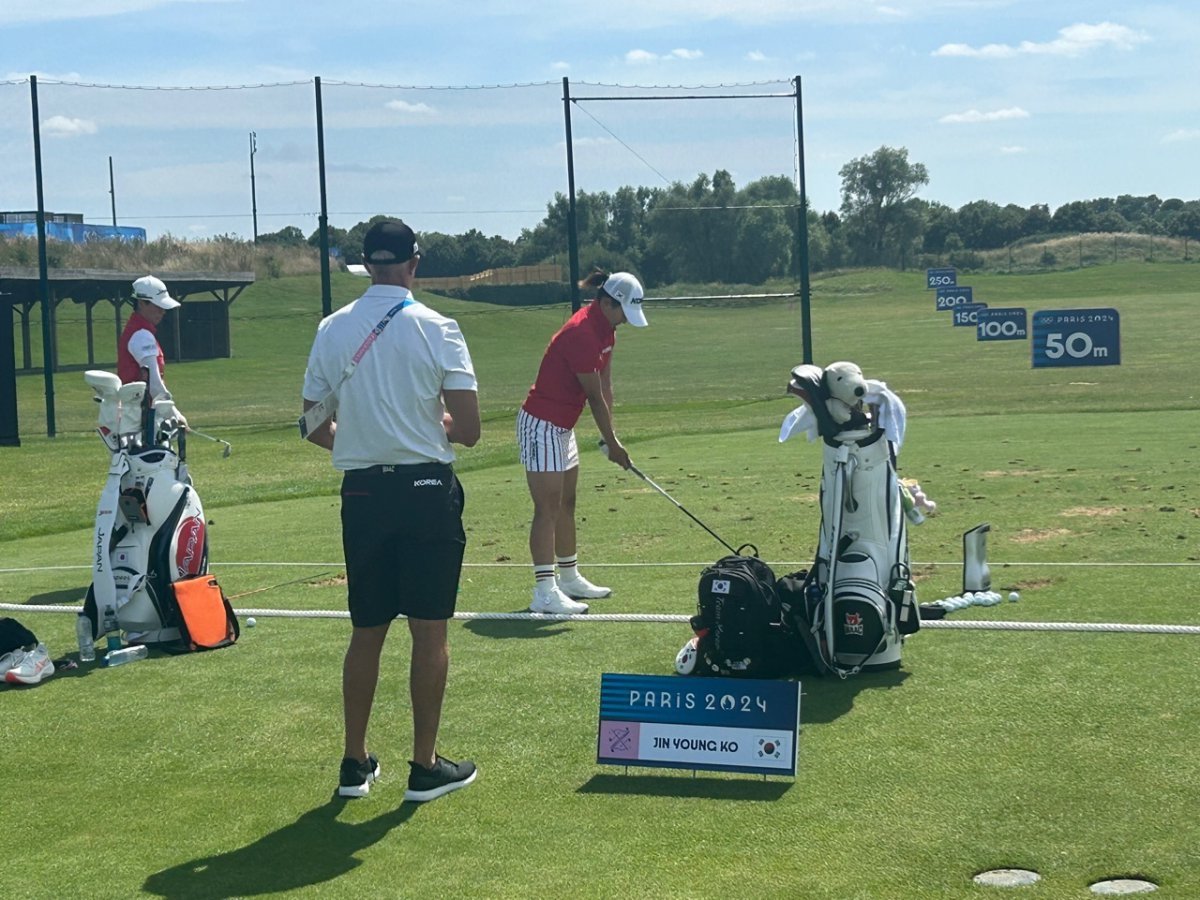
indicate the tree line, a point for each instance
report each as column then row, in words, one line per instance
column 713, row 231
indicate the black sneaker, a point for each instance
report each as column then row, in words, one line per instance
column 445, row 776
column 356, row 777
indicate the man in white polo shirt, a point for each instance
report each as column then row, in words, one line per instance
column 410, row 396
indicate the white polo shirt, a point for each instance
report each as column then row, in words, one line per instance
column 390, row 410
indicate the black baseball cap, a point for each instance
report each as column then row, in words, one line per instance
column 389, row 242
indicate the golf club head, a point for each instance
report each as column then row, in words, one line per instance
column 228, row 449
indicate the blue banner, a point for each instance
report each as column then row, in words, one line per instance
column 726, row 724
column 1076, row 337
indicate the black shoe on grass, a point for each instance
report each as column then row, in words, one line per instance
column 445, row 776
column 356, row 777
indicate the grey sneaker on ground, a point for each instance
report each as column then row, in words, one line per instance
column 445, row 776
column 356, row 777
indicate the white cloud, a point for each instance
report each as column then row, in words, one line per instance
column 972, row 116
column 404, row 106
column 560, row 66
column 1182, row 134
column 645, row 57
column 14, row 12
column 1074, row 40
column 62, row 126
column 756, row 56
column 1012, row 150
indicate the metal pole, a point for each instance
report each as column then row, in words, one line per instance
column 802, row 238
column 323, row 221
column 112, row 191
column 253, row 196
column 43, row 267
column 572, row 226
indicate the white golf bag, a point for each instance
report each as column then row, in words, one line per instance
column 150, row 526
column 860, row 600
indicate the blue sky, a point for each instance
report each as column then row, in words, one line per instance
column 1011, row 101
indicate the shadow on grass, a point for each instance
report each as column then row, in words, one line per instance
column 749, row 787
column 314, row 849
column 505, row 629
column 825, row 699
column 68, row 595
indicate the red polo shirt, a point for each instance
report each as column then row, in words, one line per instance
column 584, row 344
column 128, row 368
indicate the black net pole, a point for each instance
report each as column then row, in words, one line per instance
column 802, row 237
column 572, row 227
column 43, row 267
column 323, row 223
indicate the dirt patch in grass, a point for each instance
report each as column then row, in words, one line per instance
column 1091, row 511
column 335, row 581
column 1012, row 473
column 1034, row 535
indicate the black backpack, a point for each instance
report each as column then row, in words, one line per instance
column 737, row 618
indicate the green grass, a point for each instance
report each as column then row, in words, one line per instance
column 1068, row 753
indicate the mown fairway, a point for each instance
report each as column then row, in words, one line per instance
column 1069, row 753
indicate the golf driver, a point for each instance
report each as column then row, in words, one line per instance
column 208, row 437
column 642, row 475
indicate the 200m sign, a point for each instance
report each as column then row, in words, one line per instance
column 1076, row 337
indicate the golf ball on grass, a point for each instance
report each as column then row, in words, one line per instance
column 251, row 622
column 1014, row 596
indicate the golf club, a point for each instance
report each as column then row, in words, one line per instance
column 208, row 437
column 642, row 475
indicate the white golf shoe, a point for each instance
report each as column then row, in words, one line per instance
column 555, row 602
column 31, row 668
column 579, row 588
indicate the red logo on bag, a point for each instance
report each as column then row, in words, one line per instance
column 189, row 547
column 854, row 623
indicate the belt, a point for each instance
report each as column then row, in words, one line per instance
column 410, row 469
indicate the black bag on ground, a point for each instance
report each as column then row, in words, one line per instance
column 14, row 636
column 800, row 611
column 737, row 619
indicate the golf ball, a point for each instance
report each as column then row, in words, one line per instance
column 251, row 622
column 1014, row 596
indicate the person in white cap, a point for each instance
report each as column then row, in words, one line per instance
column 576, row 369
column 138, row 347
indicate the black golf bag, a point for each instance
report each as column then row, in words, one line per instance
column 858, row 602
column 150, row 528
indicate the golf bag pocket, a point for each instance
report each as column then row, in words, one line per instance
column 802, row 616
column 860, row 621
column 206, row 620
column 737, row 618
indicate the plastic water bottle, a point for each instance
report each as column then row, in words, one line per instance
column 83, row 633
column 125, row 655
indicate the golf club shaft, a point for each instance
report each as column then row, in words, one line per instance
column 208, row 437
column 642, row 475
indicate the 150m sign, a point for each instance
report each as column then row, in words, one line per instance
column 1076, row 337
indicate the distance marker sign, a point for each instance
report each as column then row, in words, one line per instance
column 1076, row 337
column 725, row 724
column 937, row 278
column 968, row 314
column 1002, row 324
column 950, row 297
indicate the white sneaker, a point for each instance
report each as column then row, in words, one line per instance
column 11, row 660
column 555, row 602
column 33, row 667
column 579, row 588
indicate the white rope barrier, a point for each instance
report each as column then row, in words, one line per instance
column 939, row 624
column 340, row 564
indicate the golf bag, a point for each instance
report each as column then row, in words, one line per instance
column 150, row 528
column 858, row 601
column 737, row 624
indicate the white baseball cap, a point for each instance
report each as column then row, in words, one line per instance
column 627, row 291
column 150, row 288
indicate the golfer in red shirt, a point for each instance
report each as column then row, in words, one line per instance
column 576, row 369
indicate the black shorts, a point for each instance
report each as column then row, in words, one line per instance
column 403, row 538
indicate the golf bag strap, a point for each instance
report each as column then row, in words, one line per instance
column 105, row 588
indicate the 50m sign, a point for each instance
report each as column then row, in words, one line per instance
column 1076, row 337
